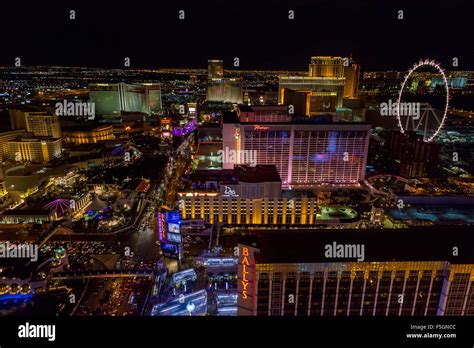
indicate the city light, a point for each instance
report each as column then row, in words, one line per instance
column 285, row 163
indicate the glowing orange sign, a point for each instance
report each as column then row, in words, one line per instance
column 258, row 127
column 245, row 263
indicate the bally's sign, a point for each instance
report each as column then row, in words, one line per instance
column 245, row 264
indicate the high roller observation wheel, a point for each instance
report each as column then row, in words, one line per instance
column 421, row 63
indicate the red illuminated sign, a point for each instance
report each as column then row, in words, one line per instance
column 161, row 227
column 258, row 127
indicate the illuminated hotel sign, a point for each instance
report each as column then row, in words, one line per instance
column 246, row 280
column 161, row 227
column 197, row 194
column 258, row 127
column 229, row 192
column 245, row 264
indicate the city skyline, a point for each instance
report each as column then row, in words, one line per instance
column 283, row 162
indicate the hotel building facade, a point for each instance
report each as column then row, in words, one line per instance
column 252, row 196
column 226, row 90
column 5, row 137
column 113, row 98
column 43, row 125
column 325, row 75
column 277, row 281
column 220, row 89
column 305, row 154
column 215, row 69
column 39, row 123
column 89, row 136
column 34, row 150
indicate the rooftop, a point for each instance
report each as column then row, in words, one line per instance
column 241, row 173
column 410, row 244
column 266, row 107
column 35, row 139
column 257, row 174
column 320, row 120
column 209, row 148
column 84, row 127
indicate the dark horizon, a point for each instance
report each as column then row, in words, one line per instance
column 204, row 70
column 260, row 34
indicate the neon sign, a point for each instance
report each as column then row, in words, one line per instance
column 244, row 263
column 258, row 127
column 161, row 227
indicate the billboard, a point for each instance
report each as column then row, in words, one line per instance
column 173, row 216
column 173, row 228
column 170, row 249
column 168, row 222
column 169, row 229
column 174, row 237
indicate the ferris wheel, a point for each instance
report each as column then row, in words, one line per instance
column 427, row 121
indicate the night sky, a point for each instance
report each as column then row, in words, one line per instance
column 258, row 32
